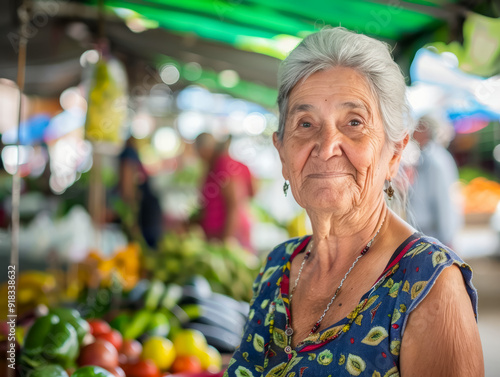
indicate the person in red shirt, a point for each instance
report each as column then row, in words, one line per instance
column 225, row 193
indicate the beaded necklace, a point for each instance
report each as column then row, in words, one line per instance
column 289, row 330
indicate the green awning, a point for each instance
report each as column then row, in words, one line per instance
column 274, row 27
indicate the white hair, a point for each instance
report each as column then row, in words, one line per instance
column 338, row 47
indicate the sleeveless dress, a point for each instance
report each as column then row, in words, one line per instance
column 365, row 343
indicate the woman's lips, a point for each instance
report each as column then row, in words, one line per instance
column 327, row 175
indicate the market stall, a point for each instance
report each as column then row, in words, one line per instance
column 104, row 133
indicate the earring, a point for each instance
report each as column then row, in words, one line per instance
column 389, row 190
column 285, row 187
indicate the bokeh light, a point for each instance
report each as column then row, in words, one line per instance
column 192, row 71
column 190, row 124
column 69, row 157
column 254, row 123
column 72, row 98
column 9, row 104
column 167, row 142
column 89, row 57
column 10, row 157
column 160, row 100
column 169, row 74
column 142, row 125
column 229, row 78
column 195, row 98
column 496, row 153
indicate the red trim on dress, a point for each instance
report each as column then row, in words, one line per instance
column 398, row 258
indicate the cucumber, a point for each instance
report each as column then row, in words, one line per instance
column 224, row 341
column 171, row 297
column 154, row 294
column 209, row 316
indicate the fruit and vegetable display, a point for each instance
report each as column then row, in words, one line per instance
column 229, row 270
column 154, row 308
column 60, row 343
column 104, row 118
column 481, row 196
column 136, row 313
column 124, row 265
column 152, row 329
column 34, row 288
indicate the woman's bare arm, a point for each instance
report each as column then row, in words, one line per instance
column 231, row 201
column 127, row 185
column 442, row 338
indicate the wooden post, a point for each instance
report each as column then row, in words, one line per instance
column 23, row 13
column 97, row 196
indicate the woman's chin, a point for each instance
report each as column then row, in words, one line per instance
column 328, row 200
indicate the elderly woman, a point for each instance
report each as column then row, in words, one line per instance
column 365, row 295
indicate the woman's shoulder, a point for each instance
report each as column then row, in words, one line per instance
column 286, row 248
column 430, row 253
column 272, row 267
column 419, row 258
column 424, row 258
column 280, row 255
column 421, row 265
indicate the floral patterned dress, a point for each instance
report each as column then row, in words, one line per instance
column 366, row 342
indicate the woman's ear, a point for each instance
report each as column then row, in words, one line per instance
column 396, row 157
column 278, row 144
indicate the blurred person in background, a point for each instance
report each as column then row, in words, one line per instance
column 365, row 294
column 228, row 186
column 433, row 197
column 135, row 190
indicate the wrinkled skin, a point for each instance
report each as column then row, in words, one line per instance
column 334, row 150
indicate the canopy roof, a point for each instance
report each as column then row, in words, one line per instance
column 251, row 24
column 248, row 36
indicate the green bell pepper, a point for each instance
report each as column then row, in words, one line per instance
column 73, row 317
column 92, row 371
column 138, row 324
column 34, row 342
column 53, row 340
column 49, row 370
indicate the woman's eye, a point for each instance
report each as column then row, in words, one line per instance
column 354, row 123
column 305, row 124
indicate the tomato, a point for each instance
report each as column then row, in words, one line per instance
column 99, row 327
column 123, row 359
column 114, row 337
column 141, row 368
column 117, row 371
column 131, row 349
column 100, row 353
column 189, row 364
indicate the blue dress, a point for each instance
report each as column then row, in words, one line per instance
column 365, row 343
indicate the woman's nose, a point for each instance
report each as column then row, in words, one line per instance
column 328, row 142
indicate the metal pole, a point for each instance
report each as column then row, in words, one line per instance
column 16, row 179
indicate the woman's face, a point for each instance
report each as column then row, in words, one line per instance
column 334, row 151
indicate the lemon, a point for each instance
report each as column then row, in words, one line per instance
column 190, row 343
column 211, row 360
column 160, row 351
